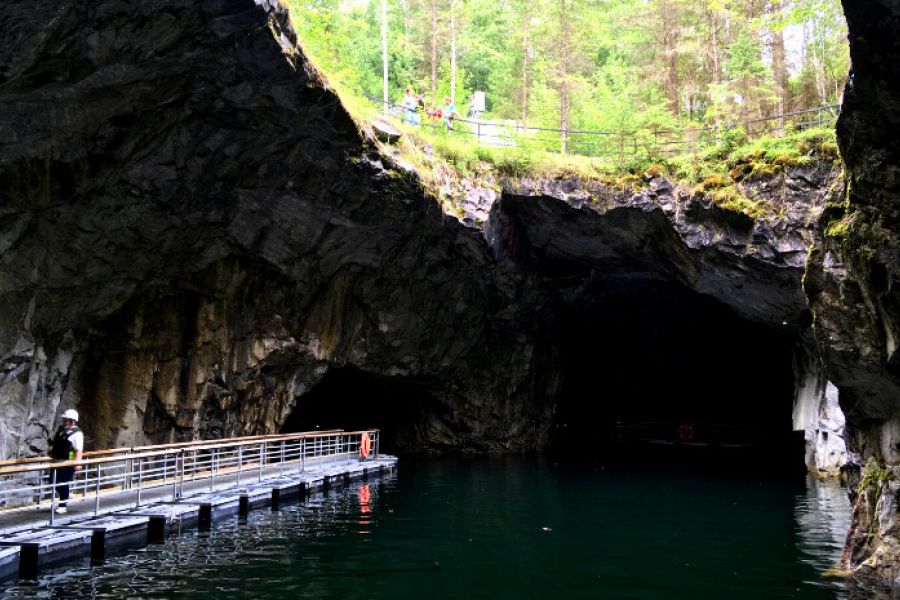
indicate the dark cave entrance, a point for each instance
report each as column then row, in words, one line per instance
column 654, row 371
column 351, row 399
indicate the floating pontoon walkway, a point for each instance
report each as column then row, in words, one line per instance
column 128, row 497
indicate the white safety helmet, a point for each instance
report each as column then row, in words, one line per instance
column 71, row 414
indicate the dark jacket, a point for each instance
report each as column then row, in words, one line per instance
column 61, row 447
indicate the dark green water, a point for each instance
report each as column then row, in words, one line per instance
column 500, row 528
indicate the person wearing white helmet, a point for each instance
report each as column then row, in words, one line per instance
column 65, row 445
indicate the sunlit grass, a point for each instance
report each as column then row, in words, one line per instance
column 714, row 171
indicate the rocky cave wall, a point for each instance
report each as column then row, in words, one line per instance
column 853, row 280
column 194, row 231
column 174, row 276
column 194, row 234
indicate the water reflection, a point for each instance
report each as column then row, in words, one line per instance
column 499, row 528
column 823, row 519
column 364, row 497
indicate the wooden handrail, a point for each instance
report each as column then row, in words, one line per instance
column 127, row 449
column 28, row 465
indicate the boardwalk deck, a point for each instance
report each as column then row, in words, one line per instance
column 28, row 544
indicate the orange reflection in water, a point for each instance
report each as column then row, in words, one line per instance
column 364, row 496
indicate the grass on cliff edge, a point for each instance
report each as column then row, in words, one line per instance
column 443, row 158
column 714, row 171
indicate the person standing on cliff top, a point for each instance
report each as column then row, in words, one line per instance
column 409, row 105
column 449, row 113
column 65, row 445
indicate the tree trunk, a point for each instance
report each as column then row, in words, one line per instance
column 525, row 31
column 384, row 51
column 714, row 46
column 821, row 75
column 565, row 51
column 670, row 51
column 779, row 65
column 564, row 115
column 434, row 24
column 453, row 51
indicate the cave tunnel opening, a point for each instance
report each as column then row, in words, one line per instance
column 655, row 371
column 351, row 399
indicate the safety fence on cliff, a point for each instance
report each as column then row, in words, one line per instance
column 615, row 145
column 114, row 476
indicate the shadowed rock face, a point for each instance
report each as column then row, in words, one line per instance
column 197, row 241
column 194, row 232
column 852, row 286
column 854, row 275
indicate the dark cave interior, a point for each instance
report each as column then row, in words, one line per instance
column 652, row 368
column 351, row 399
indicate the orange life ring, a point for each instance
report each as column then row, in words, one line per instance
column 365, row 445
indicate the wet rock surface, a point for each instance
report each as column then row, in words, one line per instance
column 194, row 234
column 191, row 218
column 853, row 282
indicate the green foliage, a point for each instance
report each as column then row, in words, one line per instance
column 734, row 137
column 838, row 229
column 640, row 71
column 875, row 476
column 715, row 172
column 618, row 58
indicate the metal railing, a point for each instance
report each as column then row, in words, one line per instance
column 619, row 145
column 109, row 475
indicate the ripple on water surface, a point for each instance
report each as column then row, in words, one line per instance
column 499, row 528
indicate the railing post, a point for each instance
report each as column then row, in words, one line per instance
column 175, row 479
column 240, row 461
column 262, row 452
column 183, row 461
column 40, row 488
column 52, row 495
column 97, row 491
column 303, row 454
column 137, row 504
column 281, row 467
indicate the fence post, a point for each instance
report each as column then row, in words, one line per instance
column 137, row 504
column 175, row 479
column 52, row 494
column 240, row 460
column 97, row 491
column 40, row 488
column 262, row 453
column 183, row 461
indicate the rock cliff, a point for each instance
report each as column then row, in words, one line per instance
column 196, row 237
column 197, row 240
column 853, row 283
